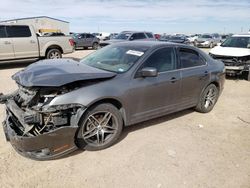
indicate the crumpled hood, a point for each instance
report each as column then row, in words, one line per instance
column 56, row 73
column 228, row 51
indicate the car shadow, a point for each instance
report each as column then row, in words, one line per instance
column 15, row 65
column 129, row 129
column 237, row 77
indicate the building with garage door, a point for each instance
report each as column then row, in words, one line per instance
column 43, row 24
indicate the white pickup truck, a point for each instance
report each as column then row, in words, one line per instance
column 21, row 43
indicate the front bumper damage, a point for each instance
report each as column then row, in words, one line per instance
column 234, row 65
column 44, row 145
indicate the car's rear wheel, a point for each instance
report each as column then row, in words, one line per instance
column 208, row 99
column 95, row 46
column 100, row 127
column 54, row 54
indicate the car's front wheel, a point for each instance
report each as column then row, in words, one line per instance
column 208, row 99
column 100, row 127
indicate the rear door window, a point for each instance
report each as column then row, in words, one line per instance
column 138, row 36
column 18, row 31
column 149, row 35
column 190, row 58
column 2, row 32
column 89, row 36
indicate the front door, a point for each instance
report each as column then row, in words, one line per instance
column 6, row 45
column 25, row 44
column 156, row 96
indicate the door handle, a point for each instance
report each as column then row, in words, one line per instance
column 204, row 75
column 173, row 79
column 7, row 42
column 32, row 41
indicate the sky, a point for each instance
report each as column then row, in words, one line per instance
column 158, row 16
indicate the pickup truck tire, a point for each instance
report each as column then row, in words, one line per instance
column 95, row 46
column 54, row 54
column 207, row 99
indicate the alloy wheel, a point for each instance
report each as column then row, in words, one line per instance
column 210, row 98
column 99, row 128
column 54, row 55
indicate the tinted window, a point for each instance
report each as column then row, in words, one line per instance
column 137, row 36
column 190, row 58
column 150, row 35
column 82, row 36
column 2, row 32
column 18, row 31
column 206, row 36
column 162, row 60
column 237, row 42
column 89, row 36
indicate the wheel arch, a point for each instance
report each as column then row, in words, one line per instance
column 117, row 103
column 53, row 47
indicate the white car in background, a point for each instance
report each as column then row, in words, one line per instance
column 102, row 36
column 192, row 38
column 234, row 52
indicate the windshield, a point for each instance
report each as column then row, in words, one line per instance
column 117, row 59
column 237, row 42
column 123, row 36
column 206, row 36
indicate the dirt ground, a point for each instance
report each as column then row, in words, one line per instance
column 185, row 149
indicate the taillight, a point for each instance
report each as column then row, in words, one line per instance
column 71, row 41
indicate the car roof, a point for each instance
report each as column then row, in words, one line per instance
column 242, row 35
column 136, row 32
column 151, row 44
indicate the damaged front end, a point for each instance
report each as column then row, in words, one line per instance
column 35, row 128
column 234, row 65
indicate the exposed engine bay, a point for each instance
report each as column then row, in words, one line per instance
column 37, row 116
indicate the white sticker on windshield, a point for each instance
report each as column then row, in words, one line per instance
column 133, row 52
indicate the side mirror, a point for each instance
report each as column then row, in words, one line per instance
column 218, row 44
column 131, row 38
column 149, row 72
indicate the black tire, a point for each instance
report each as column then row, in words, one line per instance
column 54, row 54
column 208, row 99
column 97, row 132
column 95, row 46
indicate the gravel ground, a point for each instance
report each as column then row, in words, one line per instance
column 185, row 149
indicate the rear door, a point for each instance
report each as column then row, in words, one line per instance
column 6, row 45
column 155, row 96
column 82, row 40
column 89, row 40
column 25, row 44
column 195, row 75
